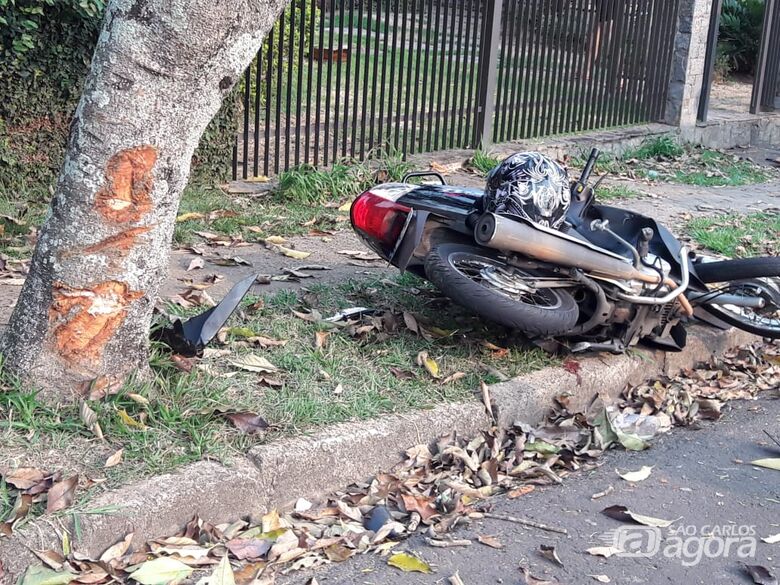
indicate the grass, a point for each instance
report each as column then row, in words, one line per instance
column 484, row 162
column 737, row 235
column 615, row 192
column 664, row 159
column 181, row 414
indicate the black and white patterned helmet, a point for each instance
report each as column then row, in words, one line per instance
column 531, row 186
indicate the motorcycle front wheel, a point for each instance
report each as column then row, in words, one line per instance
column 478, row 279
column 750, row 277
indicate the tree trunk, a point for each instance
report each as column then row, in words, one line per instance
column 160, row 71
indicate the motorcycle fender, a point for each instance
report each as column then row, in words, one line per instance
column 411, row 238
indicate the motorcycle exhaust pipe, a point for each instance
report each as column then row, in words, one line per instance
column 500, row 233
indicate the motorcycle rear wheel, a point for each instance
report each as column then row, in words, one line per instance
column 745, row 276
column 478, row 279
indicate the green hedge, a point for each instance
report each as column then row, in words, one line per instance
column 45, row 50
column 741, row 24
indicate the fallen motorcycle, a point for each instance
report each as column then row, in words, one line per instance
column 602, row 279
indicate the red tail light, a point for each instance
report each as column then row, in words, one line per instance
column 379, row 221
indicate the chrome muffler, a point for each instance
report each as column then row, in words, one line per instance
column 539, row 243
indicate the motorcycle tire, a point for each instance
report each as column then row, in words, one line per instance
column 549, row 312
column 742, row 270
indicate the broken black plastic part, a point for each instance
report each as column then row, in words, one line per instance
column 189, row 338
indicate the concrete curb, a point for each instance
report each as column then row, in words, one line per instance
column 276, row 474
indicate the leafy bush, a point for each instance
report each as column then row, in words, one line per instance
column 741, row 23
column 45, row 50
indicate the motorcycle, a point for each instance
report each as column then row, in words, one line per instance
column 606, row 280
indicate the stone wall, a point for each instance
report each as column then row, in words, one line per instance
column 690, row 49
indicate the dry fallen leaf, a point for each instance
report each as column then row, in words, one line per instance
column 247, row 422
column 774, row 539
column 767, row 463
column 424, row 360
column 24, row 478
column 114, row 459
column 636, row 476
column 520, row 492
column 491, row 541
column 196, row 263
column 604, row 551
column 549, row 552
column 409, row 563
column 254, row 363
column 161, row 571
column 61, row 494
column 320, row 339
column 760, row 575
column 623, row 514
column 117, row 550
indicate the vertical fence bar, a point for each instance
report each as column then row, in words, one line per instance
column 328, row 90
column 632, row 67
column 409, row 68
column 763, row 58
column 375, row 76
column 348, row 78
column 519, row 60
column 501, row 65
column 449, row 106
column 567, row 79
column 426, row 67
column 299, row 86
column 399, row 82
column 279, row 73
column 289, row 88
column 530, row 73
column 245, row 145
column 455, row 55
column 269, row 79
column 465, row 75
column 235, row 158
column 363, row 111
column 470, row 138
column 580, row 49
column 337, row 100
column 318, row 103
column 386, row 139
column 542, row 70
column 416, row 92
column 643, row 58
column 617, row 73
column 309, row 79
column 668, row 36
column 654, row 10
column 355, row 98
column 438, row 71
column 572, row 70
column 256, row 137
column 558, row 57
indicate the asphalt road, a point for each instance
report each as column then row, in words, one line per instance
column 696, row 477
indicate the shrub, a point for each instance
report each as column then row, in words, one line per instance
column 741, row 23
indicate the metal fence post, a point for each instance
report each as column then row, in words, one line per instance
column 756, row 102
column 488, row 70
column 709, row 60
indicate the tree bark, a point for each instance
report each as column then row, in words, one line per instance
column 160, row 71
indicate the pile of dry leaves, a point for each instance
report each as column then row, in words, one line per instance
column 436, row 488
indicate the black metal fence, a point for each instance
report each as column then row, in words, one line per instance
column 766, row 86
column 342, row 79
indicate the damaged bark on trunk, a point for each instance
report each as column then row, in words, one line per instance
column 160, row 71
